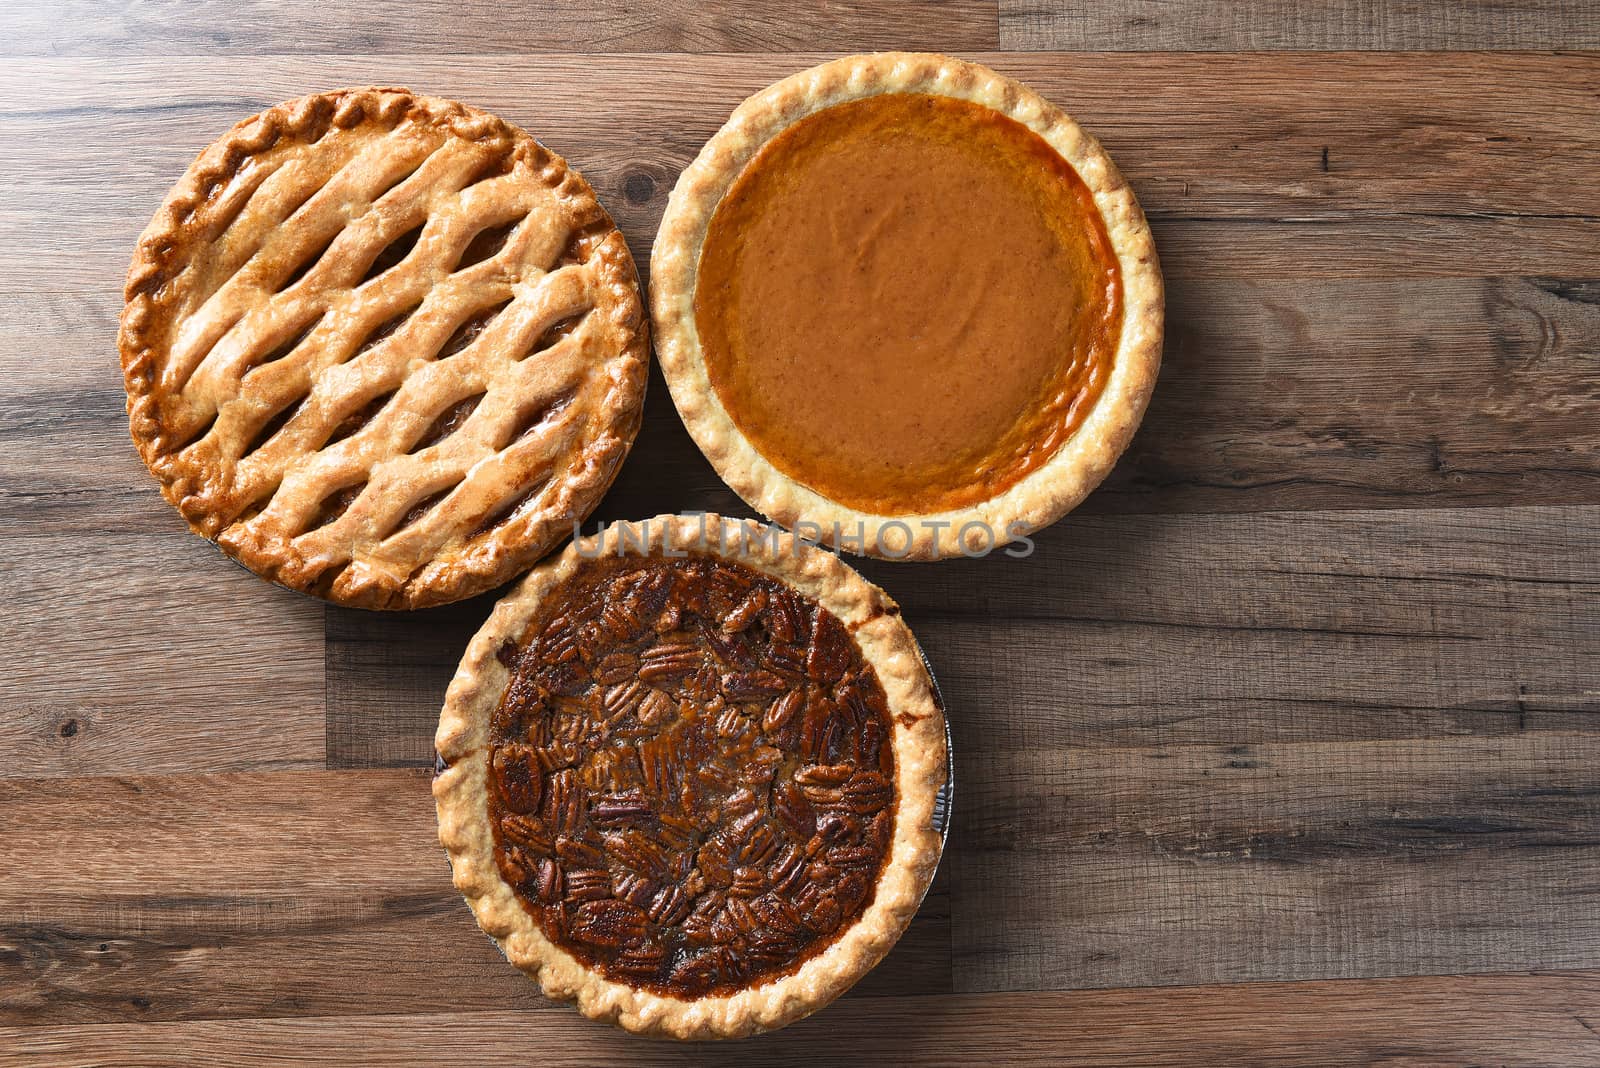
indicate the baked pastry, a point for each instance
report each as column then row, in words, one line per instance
column 904, row 302
column 688, row 774
column 382, row 348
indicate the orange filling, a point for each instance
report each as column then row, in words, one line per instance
column 908, row 302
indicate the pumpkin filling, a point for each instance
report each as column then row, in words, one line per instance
column 692, row 774
column 908, row 303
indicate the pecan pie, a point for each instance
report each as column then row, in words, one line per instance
column 688, row 776
column 907, row 301
column 382, row 348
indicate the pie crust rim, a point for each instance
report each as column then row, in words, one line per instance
column 1039, row 498
column 461, row 788
column 481, row 561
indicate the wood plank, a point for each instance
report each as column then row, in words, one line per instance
column 244, row 895
column 1227, row 863
column 1226, row 748
column 1366, row 246
column 1125, row 632
column 1135, row 631
column 386, row 677
column 148, row 653
column 1254, row 25
column 1246, row 139
column 1376, row 246
column 256, row 27
column 1507, row 1020
column 1317, row 139
column 1352, row 735
column 66, row 463
column 1345, row 394
column 1444, row 355
column 1274, row 395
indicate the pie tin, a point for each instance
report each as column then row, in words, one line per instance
column 947, row 793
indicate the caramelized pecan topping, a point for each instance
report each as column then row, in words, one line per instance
column 693, row 777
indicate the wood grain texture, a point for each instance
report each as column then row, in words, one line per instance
column 386, row 677
column 152, row 653
column 1237, row 863
column 1308, row 690
column 1184, row 743
column 1513, row 1021
column 1258, row 25
column 1128, row 631
column 1470, row 137
column 1275, row 394
column 1381, row 267
column 92, row 547
column 1383, row 392
column 256, row 27
column 268, row 895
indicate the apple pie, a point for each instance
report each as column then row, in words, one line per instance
column 383, row 348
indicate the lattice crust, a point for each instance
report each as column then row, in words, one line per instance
column 383, row 348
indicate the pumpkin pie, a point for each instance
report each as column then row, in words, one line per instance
column 688, row 776
column 383, row 348
column 905, row 302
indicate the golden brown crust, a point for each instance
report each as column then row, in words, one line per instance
column 253, row 349
column 1037, row 500
column 461, row 788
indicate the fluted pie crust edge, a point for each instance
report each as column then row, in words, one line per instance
column 1045, row 494
column 461, row 792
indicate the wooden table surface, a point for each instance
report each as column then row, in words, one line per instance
column 1285, row 748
